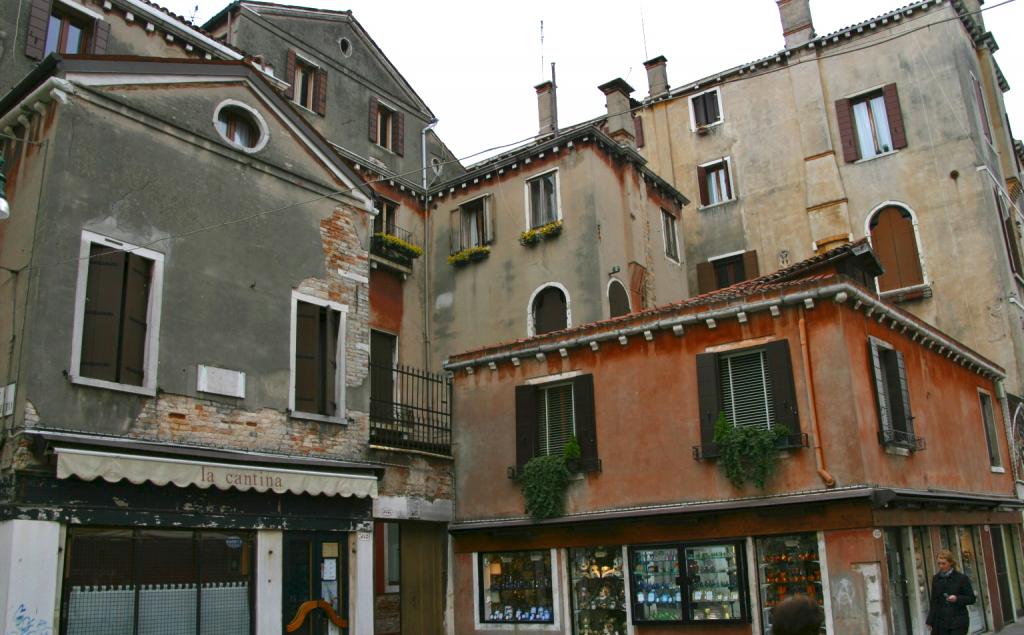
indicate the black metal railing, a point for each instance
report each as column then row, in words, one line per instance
column 410, row 409
column 901, row 439
column 397, row 251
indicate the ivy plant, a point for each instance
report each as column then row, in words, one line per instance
column 544, row 480
column 747, row 453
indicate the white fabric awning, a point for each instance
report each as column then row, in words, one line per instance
column 138, row 468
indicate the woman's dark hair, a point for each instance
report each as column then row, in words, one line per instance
column 798, row 615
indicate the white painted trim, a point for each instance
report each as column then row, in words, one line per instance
column 141, row 7
column 1000, row 468
column 721, row 112
column 608, row 294
column 388, row 527
column 753, row 585
column 917, row 237
column 731, row 254
column 361, row 581
column 558, row 194
column 550, row 379
column 339, row 385
column 269, row 580
column 121, row 79
column 865, row 91
column 261, row 124
column 756, row 342
column 664, row 237
column 153, row 308
column 81, row 8
column 557, row 581
column 307, row 60
column 826, row 591
column 727, row 161
column 530, row 328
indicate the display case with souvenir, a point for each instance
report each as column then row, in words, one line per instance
column 787, row 566
column 515, row 587
column 655, row 584
column 713, row 583
column 598, row 591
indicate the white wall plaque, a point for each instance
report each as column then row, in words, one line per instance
column 220, row 381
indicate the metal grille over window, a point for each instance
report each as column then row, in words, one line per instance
column 746, row 390
column 555, row 419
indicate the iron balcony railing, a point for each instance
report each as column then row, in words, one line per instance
column 410, row 409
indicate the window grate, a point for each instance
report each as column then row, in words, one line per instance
column 555, row 419
column 746, row 390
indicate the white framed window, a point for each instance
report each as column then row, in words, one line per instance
column 979, row 97
column 542, row 199
column 714, row 182
column 115, row 339
column 476, row 223
column 241, row 125
column 893, row 232
column 392, row 557
column 304, row 84
column 746, row 389
column 670, row 235
column 548, row 309
column 705, row 109
column 618, row 299
column 988, row 420
column 317, row 359
column 872, row 125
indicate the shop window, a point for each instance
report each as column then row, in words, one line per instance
column 870, row 124
column 307, row 83
column 543, row 199
column 787, row 566
column 668, row 228
column 714, row 182
column 473, row 224
column 387, row 127
column 549, row 311
column 515, row 587
column 896, row 423
column 317, row 353
column 991, row 437
column 548, row 413
column 749, row 387
column 618, row 299
column 689, row 584
column 894, row 239
column 117, row 311
column 966, row 542
column 705, row 110
column 598, row 590
column 158, row 581
column 59, row 27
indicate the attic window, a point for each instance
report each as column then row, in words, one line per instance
column 345, row 45
column 241, row 126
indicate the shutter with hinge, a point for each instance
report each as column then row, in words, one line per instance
column 289, row 75
column 896, row 378
column 750, row 268
column 134, row 320
column 398, row 133
column 101, row 323
column 38, row 21
column 332, row 324
column 708, row 398
column 711, row 104
column 895, row 116
column 100, row 36
column 706, row 280
column 526, row 424
column 455, row 231
column 700, row 112
column 320, row 87
column 586, row 421
column 307, row 357
column 847, row 133
column 780, row 372
column 374, row 108
column 881, row 390
column 638, row 131
column 488, row 220
column 702, row 185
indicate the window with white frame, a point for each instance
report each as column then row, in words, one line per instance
column 979, row 97
column 746, row 389
column 117, row 315
column 894, row 239
column 991, row 439
column 549, row 311
column 873, row 134
column 543, row 199
column 476, row 225
column 714, row 182
column 870, row 124
column 392, row 557
column 318, row 353
column 668, row 226
column 307, row 83
column 705, row 109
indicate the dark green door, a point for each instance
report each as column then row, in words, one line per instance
column 315, row 568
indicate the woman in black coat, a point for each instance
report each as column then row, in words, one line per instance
column 951, row 594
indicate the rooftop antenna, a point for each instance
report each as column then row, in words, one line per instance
column 643, row 31
column 542, row 49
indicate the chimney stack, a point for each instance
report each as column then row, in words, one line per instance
column 620, row 119
column 657, row 76
column 797, row 26
column 546, row 108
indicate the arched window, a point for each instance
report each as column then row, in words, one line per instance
column 618, row 299
column 895, row 244
column 548, row 310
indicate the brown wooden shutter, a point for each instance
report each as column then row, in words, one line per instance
column 374, row 107
column 706, row 279
column 320, row 88
column 638, row 131
column 847, row 133
column 526, row 424
column 711, row 106
column 638, row 285
column 289, row 75
column 455, row 231
column 780, row 370
column 881, row 390
column 38, row 21
column 700, row 112
column 586, row 421
column 398, row 133
column 892, row 236
column 332, row 321
column 100, row 37
column 895, row 116
column 307, row 357
column 488, row 220
column 101, row 322
column 750, row 268
column 134, row 322
column 702, row 185
column 708, row 397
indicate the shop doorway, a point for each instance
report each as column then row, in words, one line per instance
column 896, row 559
column 423, row 572
column 1002, row 571
column 315, row 597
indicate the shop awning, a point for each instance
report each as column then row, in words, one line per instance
column 89, row 464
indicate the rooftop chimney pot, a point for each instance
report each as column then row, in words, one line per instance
column 620, row 117
column 546, row 107
column 797, row 26
column 657, row 76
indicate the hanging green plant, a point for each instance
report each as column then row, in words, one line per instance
column 544, row 480
column 394, row 248
column 537, row 234
column 747, row 453
column 572, row 453
column 466, row 256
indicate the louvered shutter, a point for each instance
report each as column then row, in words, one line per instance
column 711, row 106
column 638, row 131
column 586, row 421
column 780, row 372
column 102, row 319
column 289, row 74
column 847, row 132
column 750, row 268
column 100, row 37
column 708, row 398
column 320, row 90
column 374, row 107
column 896, row 378
column 702, row 185
column 134, row 321
column 555, row 418
column 881, row 389
column 398, row 133
column 332, row 322
column 38, row 21
column 700, row 113
column 526, row 424
column 706, row 280
column 488, row 220
column 307, row 357
column 746, row 390
column 895, row 116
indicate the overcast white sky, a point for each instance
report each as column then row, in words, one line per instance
column 476, row 62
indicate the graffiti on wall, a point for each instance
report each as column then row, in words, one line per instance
column 25, row 624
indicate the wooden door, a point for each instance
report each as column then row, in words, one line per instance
column 423, row 548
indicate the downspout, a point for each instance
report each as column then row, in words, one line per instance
column 819, row 455
column 426, row 241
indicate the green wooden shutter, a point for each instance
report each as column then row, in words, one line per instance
column 101, row 323
column 708, row 398
column 134, row 320
column 526, row 424
column 586, row 421
column 307, row 357
column 780, row 372
column 902, row 418
column 881, row 388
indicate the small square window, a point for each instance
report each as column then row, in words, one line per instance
column 304, row 84
column 714, row 183
column 543, row 199
column 705, row 109
column 668, row 226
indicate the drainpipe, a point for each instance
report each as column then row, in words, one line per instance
column 819, row 456
column 426, row 241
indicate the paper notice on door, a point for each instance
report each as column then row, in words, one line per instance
column 329, row 569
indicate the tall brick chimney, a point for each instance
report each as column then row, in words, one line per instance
column 797, row 26
column 547, row 108
column 657, row 76
column 620, row 119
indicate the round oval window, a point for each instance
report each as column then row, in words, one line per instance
column 238, row 126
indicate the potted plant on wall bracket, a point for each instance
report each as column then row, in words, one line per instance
column 394, row 248
column 748, row 453
column 533, row 236
column 468, row 255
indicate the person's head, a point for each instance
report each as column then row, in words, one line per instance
column 946, row 561
column 797, row 615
